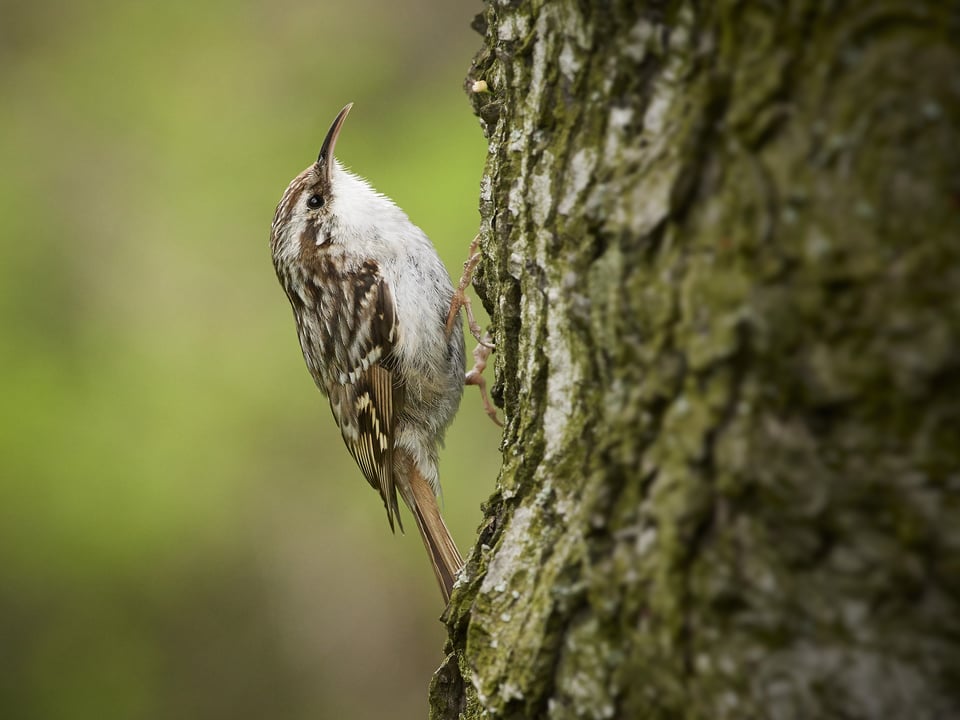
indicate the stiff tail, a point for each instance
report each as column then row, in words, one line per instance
column 443, row 552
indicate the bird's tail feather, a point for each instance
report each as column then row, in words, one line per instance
column 441, row 549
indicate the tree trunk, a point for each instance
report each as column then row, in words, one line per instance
column 721, row 246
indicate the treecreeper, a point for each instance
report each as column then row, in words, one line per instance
column 378, row 319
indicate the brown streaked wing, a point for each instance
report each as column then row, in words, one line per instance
column 370, row 397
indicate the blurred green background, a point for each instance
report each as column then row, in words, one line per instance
column 182, row 533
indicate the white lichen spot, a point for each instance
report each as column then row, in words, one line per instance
column 565, row 507
column 654, row 120
column 561, row 383
column 509, row 691
column 506, row 617
column 513, row 27
column 638, row 39
column 515, row 264
column 479, row 86
column 486, row 188
column 578, row 176
column 647, row 203
column 538, row 68
column 515, row 199
column 512, row 548
column 529, row 315
column 500, row 587
column 646, row 540
column 620, row 118
column 680, row 34
column 541, row 198
column 517, row 140
column 569, row 64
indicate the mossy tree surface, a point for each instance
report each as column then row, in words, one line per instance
column 722, row 257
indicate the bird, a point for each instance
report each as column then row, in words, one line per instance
column 377, row 316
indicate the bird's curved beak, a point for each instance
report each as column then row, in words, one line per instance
column 325, row 158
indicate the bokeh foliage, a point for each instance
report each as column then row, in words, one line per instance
column 182, row 533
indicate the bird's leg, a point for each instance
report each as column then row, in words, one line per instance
column 483, row 350
column 460, row 298
column 475, row 376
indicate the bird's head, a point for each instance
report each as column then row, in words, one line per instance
column 305, row 215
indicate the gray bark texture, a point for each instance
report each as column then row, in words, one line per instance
column 721, row 253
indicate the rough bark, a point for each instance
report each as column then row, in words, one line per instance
column 722, row 258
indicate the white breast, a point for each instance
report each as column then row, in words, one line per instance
column 372, row 226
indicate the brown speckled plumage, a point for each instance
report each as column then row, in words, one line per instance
column 391, row 370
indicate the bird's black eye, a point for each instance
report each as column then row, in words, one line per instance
column 314, row 201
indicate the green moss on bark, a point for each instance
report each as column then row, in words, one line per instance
column 721, row 258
